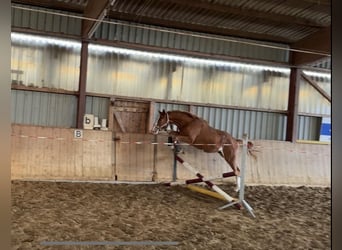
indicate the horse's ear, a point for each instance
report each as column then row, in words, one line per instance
column 164, row 111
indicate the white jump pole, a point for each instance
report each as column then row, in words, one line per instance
column 242, row 179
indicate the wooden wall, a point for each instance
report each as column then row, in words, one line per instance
column 44, row 153
column 54, row 153
column 135, row 162
column 290, row 163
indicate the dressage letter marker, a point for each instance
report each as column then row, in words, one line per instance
column 78, row 134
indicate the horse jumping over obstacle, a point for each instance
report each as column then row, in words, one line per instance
column 197, row 132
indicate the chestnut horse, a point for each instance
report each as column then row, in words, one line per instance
column 197, row 132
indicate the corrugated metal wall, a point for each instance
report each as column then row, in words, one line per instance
column 147, row 35
column 43, row 109
column 55, row 110
column 42, row 21
column 176, row 39
column 56, row 65
column 97, row 106
column 45, row 62
column 257, row 125
column 145, row 75
column 151, row 75
column 308, row 128
column 323, row 64
column 310, row 100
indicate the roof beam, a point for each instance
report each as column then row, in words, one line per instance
column 319, row 43
column 94, row 10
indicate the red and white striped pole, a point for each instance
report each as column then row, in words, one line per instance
column 209, row 183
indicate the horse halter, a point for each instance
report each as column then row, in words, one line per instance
column 156, row 128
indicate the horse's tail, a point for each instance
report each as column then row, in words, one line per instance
column 250, row 148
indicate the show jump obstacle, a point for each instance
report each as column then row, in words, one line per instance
column 217, row 192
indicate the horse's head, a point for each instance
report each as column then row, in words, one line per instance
column 161, row 123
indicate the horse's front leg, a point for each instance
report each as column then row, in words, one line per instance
column 178, row 138
column 174, row 141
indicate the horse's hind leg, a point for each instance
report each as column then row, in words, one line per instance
column 230, row 155
column 237, row 174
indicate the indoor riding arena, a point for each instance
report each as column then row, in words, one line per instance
column 171, row 124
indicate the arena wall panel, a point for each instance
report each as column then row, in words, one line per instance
column 53, row 153
column 42, row 153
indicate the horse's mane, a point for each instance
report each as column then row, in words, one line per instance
column 191, row 115
column 185, row 112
